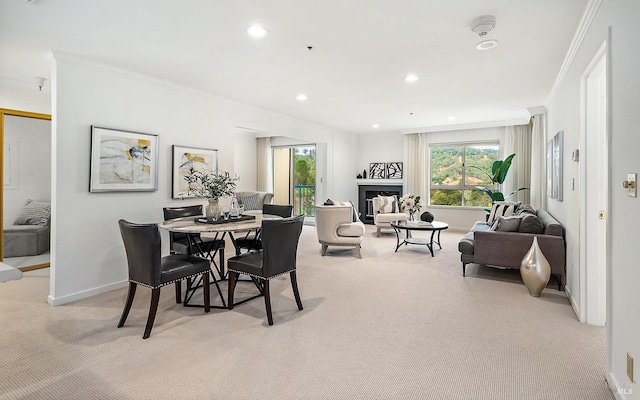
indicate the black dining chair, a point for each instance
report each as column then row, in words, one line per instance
column 142, row 245
column 179, row 243
column 280, row 239
column 252, row 239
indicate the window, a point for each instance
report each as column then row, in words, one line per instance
column 456, row 171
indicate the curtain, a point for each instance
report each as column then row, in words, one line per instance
column 416, row 167
column 538, row 185
column 264, row 165
column 518, row 141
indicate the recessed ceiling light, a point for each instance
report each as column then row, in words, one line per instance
column 451, row 118
column 375, row 126
column 411, row 78
column 487, row 44
column 301, row 97
column 257, row 31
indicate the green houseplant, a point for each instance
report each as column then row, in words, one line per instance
column 499, row 171
column 212, row 186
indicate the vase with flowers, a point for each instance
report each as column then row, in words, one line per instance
column 212, row 186
column 411, row 205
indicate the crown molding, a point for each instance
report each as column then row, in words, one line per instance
column 537, row 110
column 461, row 127
column 590, row 12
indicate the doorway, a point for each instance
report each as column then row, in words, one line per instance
column 594, row 192
column 294, row 178
column 26, row 172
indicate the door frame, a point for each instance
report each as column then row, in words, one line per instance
column 14, row 113
column 589, row 282
column 292, row 156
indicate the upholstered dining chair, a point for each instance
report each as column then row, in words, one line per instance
column 280, row 239
column 251, row 241
column 142, row 245
column 179, row 242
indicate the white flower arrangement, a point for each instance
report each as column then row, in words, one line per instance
column 410, row 203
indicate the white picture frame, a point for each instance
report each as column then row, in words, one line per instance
column 123, row 161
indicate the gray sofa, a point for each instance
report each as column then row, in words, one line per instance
column 29, row 234
column 507, row 249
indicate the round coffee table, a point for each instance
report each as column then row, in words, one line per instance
column 408, row 226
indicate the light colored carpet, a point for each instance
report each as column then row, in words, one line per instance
column 389, row 326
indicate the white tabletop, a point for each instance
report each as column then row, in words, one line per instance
column 9, row 273
column 188, row 225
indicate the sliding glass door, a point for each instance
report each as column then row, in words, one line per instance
column 294, row 178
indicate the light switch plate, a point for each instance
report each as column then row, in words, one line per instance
column 632, row 185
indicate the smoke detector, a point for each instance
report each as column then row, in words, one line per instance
column 482, row 25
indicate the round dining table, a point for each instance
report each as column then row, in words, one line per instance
column 194, row 227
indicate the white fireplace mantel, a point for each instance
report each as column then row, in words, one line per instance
column 369, row 182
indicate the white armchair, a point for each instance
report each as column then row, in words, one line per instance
column 383, row 220
column 335, row 227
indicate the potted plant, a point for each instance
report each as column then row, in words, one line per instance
column 499, row 170
column 212, row 186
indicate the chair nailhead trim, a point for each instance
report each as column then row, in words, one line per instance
column 258, row 276
column 167, row 283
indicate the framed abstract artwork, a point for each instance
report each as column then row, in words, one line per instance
column 186, row 159
column 377, row 170
column 123, row 161
column 394, row 170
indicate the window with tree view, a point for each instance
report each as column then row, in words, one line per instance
column 457, row 170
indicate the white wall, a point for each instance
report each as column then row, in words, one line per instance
column 623, row 319
column 376, row 148
column 244, row 159
column 30, row 164
column 23, row 99
column 87, row 254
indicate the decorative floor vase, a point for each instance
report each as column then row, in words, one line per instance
column 535, row 269
column 212, row 210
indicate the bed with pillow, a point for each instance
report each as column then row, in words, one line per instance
column 503, row 240
column 29, row 234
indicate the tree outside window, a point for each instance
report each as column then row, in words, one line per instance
column 453, row 181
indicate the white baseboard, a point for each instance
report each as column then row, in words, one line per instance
column 57, row 301
column 574, row 304
column 619, row 392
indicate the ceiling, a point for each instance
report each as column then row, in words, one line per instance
column 354, row 73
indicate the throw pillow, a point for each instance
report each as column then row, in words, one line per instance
column 501, row 209
column 531, row 224
column 388, row 204
column 329, row 202
column 506, row 224
column 34, row 213
column 525, row 209
column 249, row 202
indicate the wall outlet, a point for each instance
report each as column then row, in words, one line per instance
column 630, row 367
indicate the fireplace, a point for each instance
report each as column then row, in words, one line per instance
column 368, row 192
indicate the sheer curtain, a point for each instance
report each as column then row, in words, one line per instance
column 518, row 141
column 538, row 163
column 264, row 165
column 416, row 168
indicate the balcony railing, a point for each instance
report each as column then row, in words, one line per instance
column 304, row 200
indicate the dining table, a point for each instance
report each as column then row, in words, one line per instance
column 195, row 227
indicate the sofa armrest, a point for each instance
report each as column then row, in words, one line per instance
column 507, row 249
